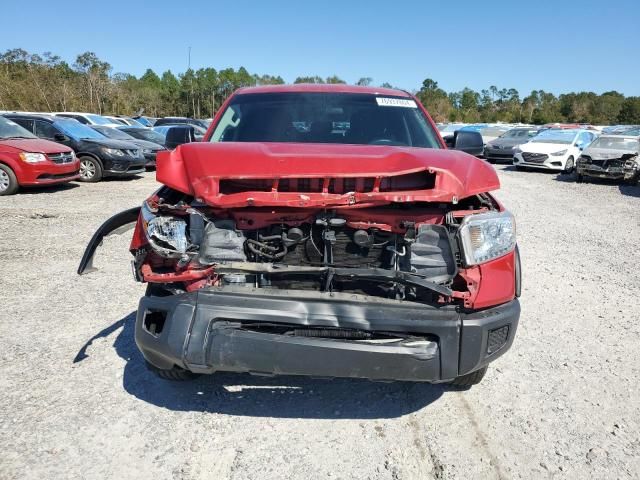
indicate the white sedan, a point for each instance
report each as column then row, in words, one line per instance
column 553, row 149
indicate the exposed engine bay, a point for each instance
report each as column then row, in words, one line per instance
column 402, row 251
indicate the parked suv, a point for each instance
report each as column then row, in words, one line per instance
column 149, row 149
column 323, row 230
column 99, row 156
column 27, row 160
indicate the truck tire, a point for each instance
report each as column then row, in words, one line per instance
column 175, row 374
column 470, row 379
column 8, row 181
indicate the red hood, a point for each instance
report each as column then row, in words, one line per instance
column 332, row 175
column 33, row 145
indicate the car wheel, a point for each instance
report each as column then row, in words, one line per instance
column 8, row 181
column 175, row 374
column 470, row 379
column 568, row 167
column 90, row 170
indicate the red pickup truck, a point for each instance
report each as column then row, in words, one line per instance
column 323, row 230
column 26, row 160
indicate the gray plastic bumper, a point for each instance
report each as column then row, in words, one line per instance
column 206, row 331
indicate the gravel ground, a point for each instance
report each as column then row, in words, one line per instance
column 78, row 402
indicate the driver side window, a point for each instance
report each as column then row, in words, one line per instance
column 45, row 130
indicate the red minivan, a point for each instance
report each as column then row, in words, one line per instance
column 26, row 160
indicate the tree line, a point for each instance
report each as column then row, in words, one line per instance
column 45, row 82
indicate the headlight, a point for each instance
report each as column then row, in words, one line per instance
column 113, row 151
column 33, row 157
column 561, row 152
column 167, row 235
column 486, row 236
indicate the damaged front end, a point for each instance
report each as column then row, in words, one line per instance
column 394, row 291
column 624, row 167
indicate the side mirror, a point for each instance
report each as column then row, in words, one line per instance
column 179, row 135
column 60, row 137
column 468, row 142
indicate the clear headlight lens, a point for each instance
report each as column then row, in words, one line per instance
column 561, row 152
column 487, row 236
column 167, row 235
column 113, row 151
column 33, row 157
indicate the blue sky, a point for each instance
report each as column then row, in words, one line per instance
column 557, row 46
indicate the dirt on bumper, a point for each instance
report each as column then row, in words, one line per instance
column 292, row 332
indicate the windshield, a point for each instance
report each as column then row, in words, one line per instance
column 113, row 133
column 146, row 134
column 9, row 129
column 555, row 136
column 519, row 133
column 342, row 118
column 98, row 120
column 617, row 143
column 77, row 130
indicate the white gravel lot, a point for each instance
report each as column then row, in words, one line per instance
column 78, row 403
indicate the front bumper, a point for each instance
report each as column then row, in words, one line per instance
column 498, row 155
column 214, row 329
column 47, row 173
column 609, row 169
column 124, row 166
column 150, row 159
column 551, row 163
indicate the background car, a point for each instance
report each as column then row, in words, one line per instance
column 149, row 149
column 163, row 129
column 610, row 156
column 181, row 120
column 501, row 149
column 147, row 134
column 129, row 121
column 88, row 118
column 99, row 156
column 27, row 160
column 553, row 149
column 146, row 121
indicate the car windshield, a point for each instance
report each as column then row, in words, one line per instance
column 342, row 118
column 113, row 133
column 146, row 134
column 77, row 130
column 519, row 133
column 616, row 143
column 555, row 136
column 9, row 129
column 98, row 119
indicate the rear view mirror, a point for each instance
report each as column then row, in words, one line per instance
column 465, row 141
column 179, row 135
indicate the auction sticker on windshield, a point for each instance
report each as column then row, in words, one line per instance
column 395, row 102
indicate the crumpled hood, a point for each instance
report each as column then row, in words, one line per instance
column 605, row 153
column 32, row 145
column 302, row 175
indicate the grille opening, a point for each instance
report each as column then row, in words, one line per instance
column 497, row 338
column 154, row 321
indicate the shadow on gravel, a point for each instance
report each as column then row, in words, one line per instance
column 631, row 190
column 47, row 189
column 248, row 395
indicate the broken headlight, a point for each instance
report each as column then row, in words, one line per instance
column 486, row 236
column 166, row 234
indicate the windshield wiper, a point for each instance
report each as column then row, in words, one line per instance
column 371, row 274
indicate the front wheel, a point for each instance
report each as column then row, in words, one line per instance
column 8, row 181
column 90, row 170
column 568, row 167
column 470, row 379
